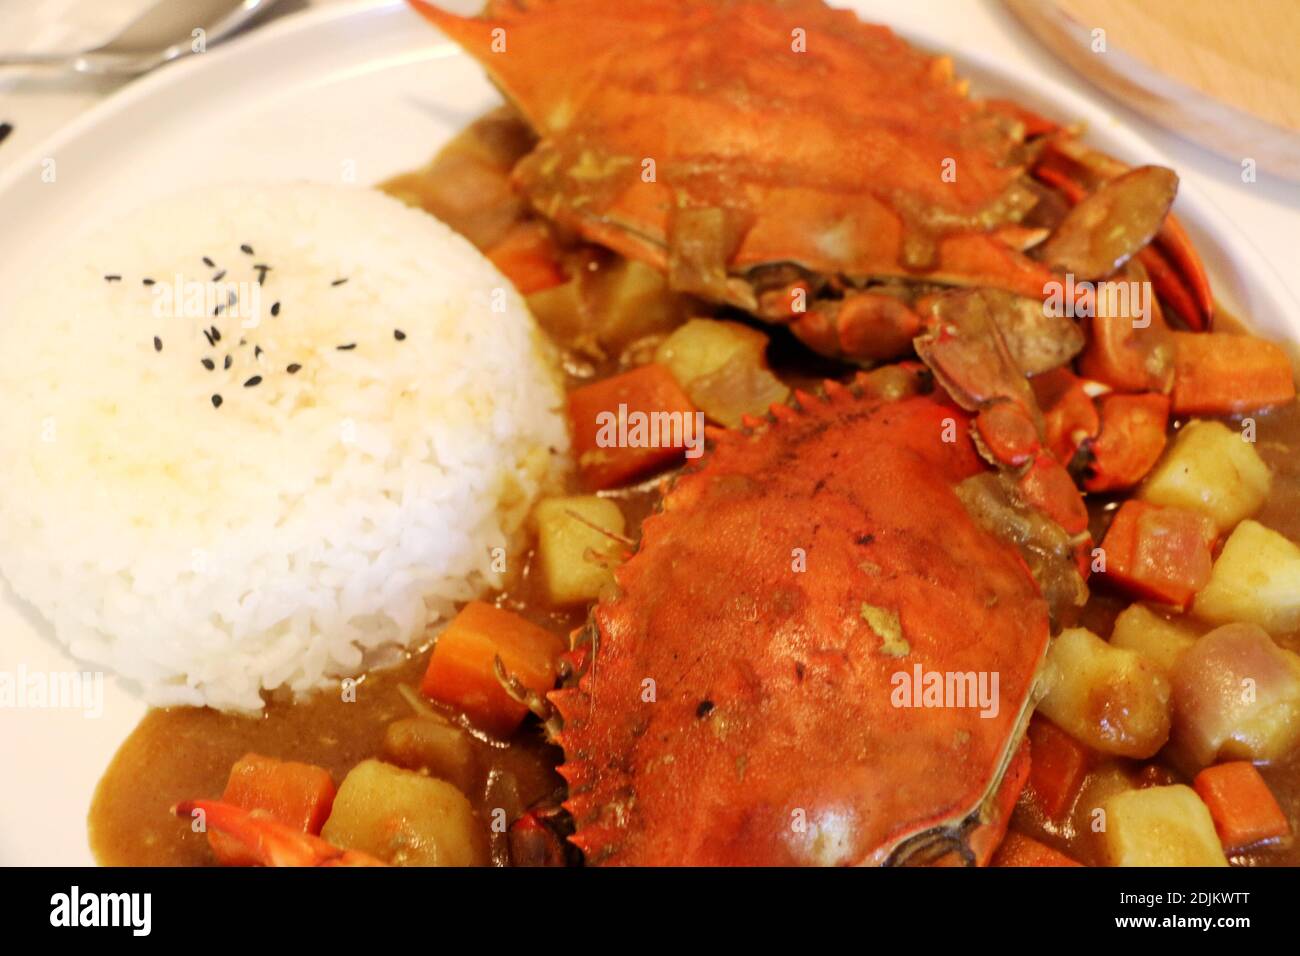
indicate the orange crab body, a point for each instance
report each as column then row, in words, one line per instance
column 745, row 702
column 819, row 140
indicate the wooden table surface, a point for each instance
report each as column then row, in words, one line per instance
column 1225, row 73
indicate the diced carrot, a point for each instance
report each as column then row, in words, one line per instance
column 462, row 672
column 1057, row 768
column 1020, row 850
column 1161, row 554
column 1128, row 357
column 629, row 425
column 1129, row 443
column 1217, row 373
column 1069, row 415
column 298, row 795
column 528, row 257
column 1244, row 810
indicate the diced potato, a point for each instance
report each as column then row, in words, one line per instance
column 1102, row 783
column 1236, row 696
column 602, row 312
column 1255, row 579
column 405, row 818
column 1113, row 700
column 1160, row 826
column 1211, row 469
column 435, row 747
column 723, row 369
column 632, row 300
column 576, row 559
column 1156, row 638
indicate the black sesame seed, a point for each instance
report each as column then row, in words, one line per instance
column 246, row 249
column 243, row 342
column 219, row 276
column 257, row 351
column 209, row 364
column 293, row 369
column 147, row 281
column 399, row 334
column 338, row 282
column 112, row 278
column 208, row 335
column 275, row 308
column 216, row 401
column 262, row 270
column 346, row 348
column 157, row 344
column 216, row 334
column 226, row 363
column 209, row 263
column 255, row 380
column 217, row 309
column 5, row 130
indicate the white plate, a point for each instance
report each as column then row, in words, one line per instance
column 353, row 92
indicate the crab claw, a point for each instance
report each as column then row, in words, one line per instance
column 1175, row 268
column 268, row 841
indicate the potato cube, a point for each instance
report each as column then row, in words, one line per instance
column 405, row 818
column 723, row 368
column 1255, row 579
column 1158, row 639
column 435, row 747
column 1113, row 700
column 576, row 558
column 1160, row 826
column 1211, row 469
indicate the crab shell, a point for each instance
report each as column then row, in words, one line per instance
column 825, row 141
column 740, row 704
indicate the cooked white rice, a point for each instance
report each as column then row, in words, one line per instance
column 312, row 522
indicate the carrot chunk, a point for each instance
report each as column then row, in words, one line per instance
column 1058, row 764
column 1160, row 554
column 1020, row 850
column 528, row 258
column 629, row 425
column 1222, row 374
column 462, row 670
column 298, row 795
column 1242, row 807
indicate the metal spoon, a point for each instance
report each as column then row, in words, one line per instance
column 160, row 34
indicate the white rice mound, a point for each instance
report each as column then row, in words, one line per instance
column 314, row 522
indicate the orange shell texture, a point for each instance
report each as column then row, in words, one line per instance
column 824, row 138
column 738, row 709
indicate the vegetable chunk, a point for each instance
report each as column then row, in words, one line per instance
column 1156, row 638
column 1255, row 579
column 462, row 670
column 629, row 425
column 1160, row 826
column 1114, row 701
column 1244, row 809
column 1210, row 468
column 296, row 794
column 1236, row 695
column 578, row 546
column 1162, row 554
column 405, row 818
column 723, row 368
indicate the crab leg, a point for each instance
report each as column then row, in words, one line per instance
column 270, row 842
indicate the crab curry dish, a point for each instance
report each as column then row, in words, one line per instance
column 896, row 492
